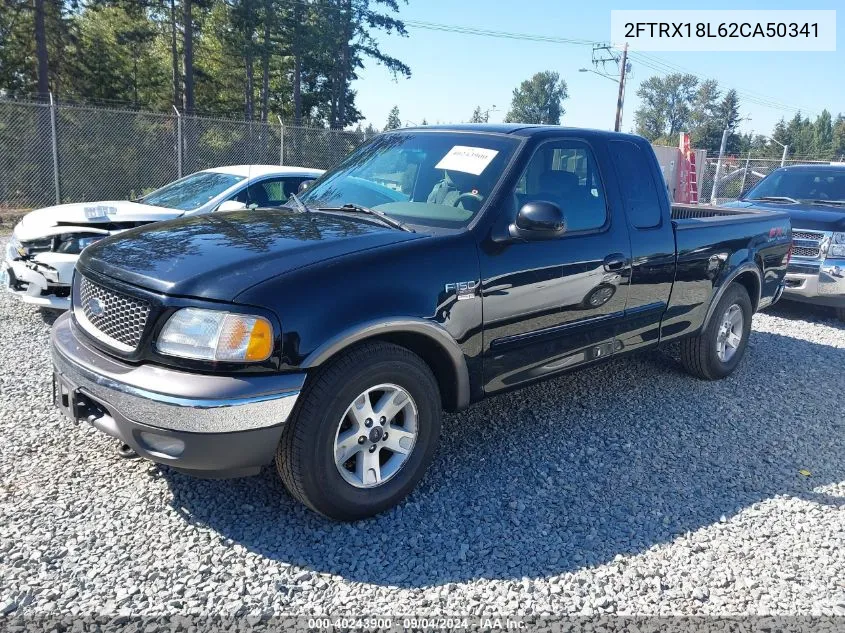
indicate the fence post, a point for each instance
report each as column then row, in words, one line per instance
column 55, row 143
column 281, row 141
column 719, row 166
column 783, row 156
column 178, row 142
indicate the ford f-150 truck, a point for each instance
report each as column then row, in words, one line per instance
column 814, row 198
column 432, row 268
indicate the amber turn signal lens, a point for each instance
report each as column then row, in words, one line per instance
column 260, row 341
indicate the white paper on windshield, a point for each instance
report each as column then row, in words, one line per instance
column 471, row 160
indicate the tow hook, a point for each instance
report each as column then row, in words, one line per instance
column 126, row 451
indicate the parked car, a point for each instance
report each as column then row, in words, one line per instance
column 45, row 244
column 814, row 198
column 330, row 336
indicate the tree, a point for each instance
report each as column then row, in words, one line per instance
column 539, row 100
column 705, row 128
column 423, row 122
column 393, row 120
column 823, row 135
column 478, row 116
column 666, row 108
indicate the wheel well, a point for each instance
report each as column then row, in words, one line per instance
column 434, row 356
column 751, row 283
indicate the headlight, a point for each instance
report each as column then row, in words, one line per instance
column 74, row 244
column 14, row 248
column 216, row 335
column 837, row 245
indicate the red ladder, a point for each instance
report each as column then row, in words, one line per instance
column 692, row 180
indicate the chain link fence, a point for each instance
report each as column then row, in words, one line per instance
column 739, row 174
column 51, row 153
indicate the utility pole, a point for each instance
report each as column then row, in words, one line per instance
column 621, row 98
column 785, row 150
column 604, row 54
column 719, row 166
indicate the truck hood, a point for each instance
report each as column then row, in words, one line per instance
column 218, row 256
column 814, row 217
column 88, row 215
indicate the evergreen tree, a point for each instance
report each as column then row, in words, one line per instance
column 538, row 100
column 393, row 120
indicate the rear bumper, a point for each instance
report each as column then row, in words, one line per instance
column 816, row 282
column 207, row 425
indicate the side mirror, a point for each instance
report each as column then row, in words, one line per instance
column 304, row 185
column 231, row 205
column 538, row 220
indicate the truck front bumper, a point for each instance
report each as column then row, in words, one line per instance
column 206, row 425
column 820, row 283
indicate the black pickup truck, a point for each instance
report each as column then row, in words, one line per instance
column 431, row 268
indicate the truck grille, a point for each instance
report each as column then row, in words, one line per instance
column 807, row 244
column 110, row 316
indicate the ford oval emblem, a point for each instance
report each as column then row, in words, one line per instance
column 95, row 307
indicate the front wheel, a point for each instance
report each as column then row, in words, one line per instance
column 364, row 434
column 716, row 352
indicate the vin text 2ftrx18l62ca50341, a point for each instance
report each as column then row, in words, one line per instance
column 431, row 268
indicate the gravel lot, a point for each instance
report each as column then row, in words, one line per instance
column 628, row 488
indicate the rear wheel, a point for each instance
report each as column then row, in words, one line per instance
column 840, row 314
column 716, row 352
column 364, row 433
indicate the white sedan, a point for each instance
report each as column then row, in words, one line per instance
column 45, row 244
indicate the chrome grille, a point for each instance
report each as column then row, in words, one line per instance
column 811, row 243
column 111, row 316
column 807, row 235
column 801, row 251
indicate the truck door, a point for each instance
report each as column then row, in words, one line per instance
column 647, row 210
column 554, row 304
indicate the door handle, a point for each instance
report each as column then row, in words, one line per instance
column 616, row 261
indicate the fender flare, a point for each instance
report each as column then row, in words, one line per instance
column 373, row 329
column 736, row 272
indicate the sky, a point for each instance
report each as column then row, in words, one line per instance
column 452, row 72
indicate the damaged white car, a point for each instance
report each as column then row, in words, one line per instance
column 44, row 246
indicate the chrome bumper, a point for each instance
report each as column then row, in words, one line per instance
column 814, row 281
column 194, row 422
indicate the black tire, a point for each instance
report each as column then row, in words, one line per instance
column 305, row 457
column 840, row 314
column 698, row 354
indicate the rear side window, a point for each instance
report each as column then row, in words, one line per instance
column 639, row 191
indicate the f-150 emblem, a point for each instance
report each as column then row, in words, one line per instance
column 463, row 289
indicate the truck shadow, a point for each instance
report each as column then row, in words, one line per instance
column 569, row 473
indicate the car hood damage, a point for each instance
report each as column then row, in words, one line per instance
column 218, row 256
column 92, row 217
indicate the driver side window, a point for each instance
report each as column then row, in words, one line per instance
column 565, row 173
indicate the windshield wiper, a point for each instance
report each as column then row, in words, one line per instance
column 776, row 199
column 833, row 203
column 381, row 215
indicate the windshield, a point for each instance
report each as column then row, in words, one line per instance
column 192, row 191
column 430, row 178
column 801, row 184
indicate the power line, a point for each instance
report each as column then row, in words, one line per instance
column 749, row 96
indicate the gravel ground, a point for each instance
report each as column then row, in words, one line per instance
column 628, row 488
